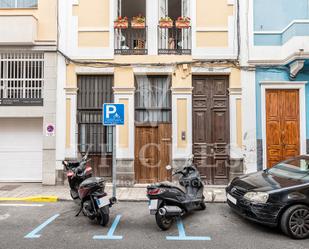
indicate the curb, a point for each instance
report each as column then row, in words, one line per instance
column 139, row 201
column 31, row 199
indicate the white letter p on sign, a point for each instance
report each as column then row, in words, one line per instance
column 110, row 109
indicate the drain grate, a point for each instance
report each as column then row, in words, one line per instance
column 9, row 187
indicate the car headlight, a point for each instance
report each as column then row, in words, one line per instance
column 258, row 197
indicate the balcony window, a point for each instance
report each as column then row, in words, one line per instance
column 174, row 40
column 18, row 4
column 129, row 39
column 21, row 78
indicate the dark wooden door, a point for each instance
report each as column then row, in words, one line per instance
column 152, row 153
column 282, row 125
column 211, row 127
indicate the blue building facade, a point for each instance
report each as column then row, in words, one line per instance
column 279, row 52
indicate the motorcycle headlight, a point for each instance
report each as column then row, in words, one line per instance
column 258, row 197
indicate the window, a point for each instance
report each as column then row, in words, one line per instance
column 131, row 40
column 174, row 40
column 21, row 76
column 92, row 135
column 18, row 3
column 153, row 99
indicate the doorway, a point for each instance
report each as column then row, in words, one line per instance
column 211, row 128
column 153, row 128
column 282, row 125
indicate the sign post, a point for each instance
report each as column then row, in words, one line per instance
column 113, row 114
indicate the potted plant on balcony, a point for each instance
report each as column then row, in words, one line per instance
column 138, row 22
column 121, row 23
column 183, row 22
column 166, row 22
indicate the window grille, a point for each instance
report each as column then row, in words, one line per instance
column 153, row 99
column 93, row 92
column 21, row 75
column 11, row 4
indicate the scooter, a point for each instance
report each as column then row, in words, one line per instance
column 77, row 172
column 94, row 201
column 168, row 201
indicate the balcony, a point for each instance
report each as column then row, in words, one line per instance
column 174, row 41
column 131, row 41
column 18, row 30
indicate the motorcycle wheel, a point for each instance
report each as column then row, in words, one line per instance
column 202, row 205
column 164, row 222
column 103, row 216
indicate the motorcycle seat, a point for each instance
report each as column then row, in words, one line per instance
column 171, row 185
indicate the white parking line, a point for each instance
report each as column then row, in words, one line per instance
column 20, row 205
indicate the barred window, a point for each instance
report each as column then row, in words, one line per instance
column 21, row 75
column 153, row 99
column 10, row 4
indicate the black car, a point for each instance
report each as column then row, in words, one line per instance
column 278, row 196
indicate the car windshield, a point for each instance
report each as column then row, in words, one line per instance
column 295, row 169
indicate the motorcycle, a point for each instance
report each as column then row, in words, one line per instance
column 77, row 172
column 94, row 201
column 89, row 190
column 168, row 201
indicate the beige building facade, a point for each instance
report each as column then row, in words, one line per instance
column 140, row 62
column 181, row 86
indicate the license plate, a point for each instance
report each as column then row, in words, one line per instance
column 231, row 199
column 153, row 205
column 102, row 202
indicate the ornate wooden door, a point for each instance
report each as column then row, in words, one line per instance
column 211, row 127
column 282, row 125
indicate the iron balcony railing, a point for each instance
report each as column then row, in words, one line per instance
column 174, row 41
column 131, row 41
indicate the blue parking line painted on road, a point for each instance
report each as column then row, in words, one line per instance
column 110, row 235
column 182, row 234
column 34, row 235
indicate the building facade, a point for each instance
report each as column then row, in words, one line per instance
column 28, row 90
column 181, row 87
column 275, row 58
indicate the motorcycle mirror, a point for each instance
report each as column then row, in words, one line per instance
column 168, row 167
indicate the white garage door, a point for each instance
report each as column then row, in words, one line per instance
column 20, row 149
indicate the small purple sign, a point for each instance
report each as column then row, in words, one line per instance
column 50, row 130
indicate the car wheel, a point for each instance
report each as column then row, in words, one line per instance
column 295, row 222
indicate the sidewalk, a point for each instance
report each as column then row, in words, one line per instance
column 137, row 193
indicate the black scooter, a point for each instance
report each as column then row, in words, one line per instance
column 168, row 201
column 77, row 172
column 94, row 201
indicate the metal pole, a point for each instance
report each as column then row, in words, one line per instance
column 114, row 161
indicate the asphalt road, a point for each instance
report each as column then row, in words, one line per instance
column 138, row 229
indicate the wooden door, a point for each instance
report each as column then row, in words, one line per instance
column 282, row 125
column 152, row 153
column 211, row 127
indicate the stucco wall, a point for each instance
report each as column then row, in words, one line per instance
column 46, row 13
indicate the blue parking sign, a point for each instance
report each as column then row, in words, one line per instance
column 113, row 114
